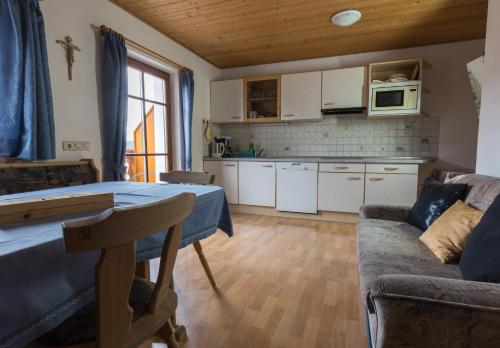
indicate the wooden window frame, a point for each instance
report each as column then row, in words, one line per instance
column 145, row 68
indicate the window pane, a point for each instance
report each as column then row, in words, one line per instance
column 154, row 88
column 135, row 141
column 135, row 168
column 157, row 165
column 156, row 128
column 134, row 82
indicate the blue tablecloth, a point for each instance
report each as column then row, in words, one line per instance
column 41, row 285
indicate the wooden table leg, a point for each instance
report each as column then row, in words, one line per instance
column 180, row 332
column 142, row 270
column 204, row 263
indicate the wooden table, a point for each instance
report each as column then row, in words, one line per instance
column 42, row 285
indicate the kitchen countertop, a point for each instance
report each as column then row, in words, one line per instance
column 344, row 159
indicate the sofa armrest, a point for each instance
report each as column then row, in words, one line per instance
column 384, row 212
column 421, row 311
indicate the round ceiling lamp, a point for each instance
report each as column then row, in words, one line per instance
column 346, row 18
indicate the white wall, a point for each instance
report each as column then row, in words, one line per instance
column 76, row 105
column 488, row 161
column 450, row 99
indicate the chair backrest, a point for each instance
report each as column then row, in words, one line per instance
column 180, row 177
column 115, row 231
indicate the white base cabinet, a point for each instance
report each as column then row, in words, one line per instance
column 338, row 187
column 257, row 183
column 391, row 189
column 391, row 184
column 226, row 176
column 342, row 192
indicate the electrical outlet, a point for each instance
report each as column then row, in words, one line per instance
column 76, row 146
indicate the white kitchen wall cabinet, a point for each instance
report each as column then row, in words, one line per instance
column 226, row 176
column 257, row 183
column 344, row 88
column 226, row 101
column 391, row 189
column 341, row 187
column 301, row 96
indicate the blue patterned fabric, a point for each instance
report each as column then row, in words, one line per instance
column 187, row 93
column 115, row 106
column 433, row 201
column 42, row 285
column 26, row 111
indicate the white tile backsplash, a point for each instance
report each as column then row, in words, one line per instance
column 340, row 136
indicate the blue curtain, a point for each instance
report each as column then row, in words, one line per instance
column 187, row 94
column 115, row 104
column 26, row 112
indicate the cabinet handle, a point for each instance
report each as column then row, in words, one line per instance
column 353, row 178
column 267, row 165
column 235, row 117
column 330, row 103
column 229, row 165
column 391, row 169
column 376, row 179
column 288, row 115
column 341, row 168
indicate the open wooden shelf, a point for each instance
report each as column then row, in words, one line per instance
column 413, row 68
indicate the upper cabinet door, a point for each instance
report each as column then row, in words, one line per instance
column 301, row 96
column 344, row 88
column 226, row 101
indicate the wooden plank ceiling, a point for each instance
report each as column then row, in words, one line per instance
column 231, row 33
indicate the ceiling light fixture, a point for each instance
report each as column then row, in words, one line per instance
column 346, row 18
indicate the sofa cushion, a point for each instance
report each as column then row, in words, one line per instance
column 434, row 200
column 483, row 189
column 390, row 247
column 447, row 235
column 481, row 257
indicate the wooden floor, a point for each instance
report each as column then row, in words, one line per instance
column 281, row 283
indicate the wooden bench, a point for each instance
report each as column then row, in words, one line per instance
column 18, row 177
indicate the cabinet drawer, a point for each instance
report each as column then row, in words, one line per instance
column 392, row 168
column 342, row 192
column 342, row 167
column 391, row 189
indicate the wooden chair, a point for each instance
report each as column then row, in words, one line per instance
column 128, row 310
column 198, row 178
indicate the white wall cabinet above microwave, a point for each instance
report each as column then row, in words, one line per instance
column 226, row 101
column 344, row 88
column 301, row 96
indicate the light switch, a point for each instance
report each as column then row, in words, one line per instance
column 76, row 146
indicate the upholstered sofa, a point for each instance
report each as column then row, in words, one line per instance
column 411, row 298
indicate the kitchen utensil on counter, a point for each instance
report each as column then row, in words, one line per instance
column 222, row 148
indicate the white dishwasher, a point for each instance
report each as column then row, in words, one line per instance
column 297, row 187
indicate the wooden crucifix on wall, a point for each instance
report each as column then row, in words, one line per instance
column 70, row 48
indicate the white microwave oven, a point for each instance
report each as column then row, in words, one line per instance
column 395, row 98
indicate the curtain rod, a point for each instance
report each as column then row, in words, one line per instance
column 104, row 29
